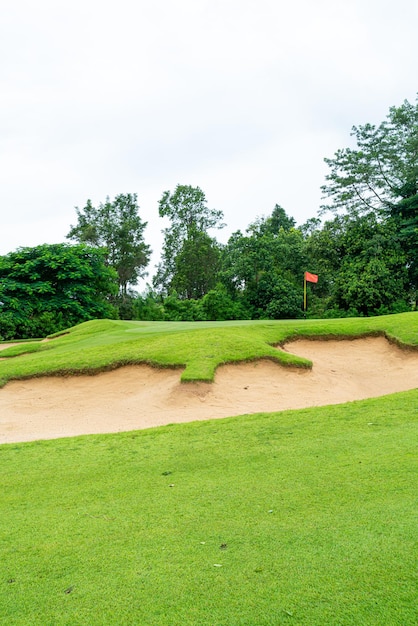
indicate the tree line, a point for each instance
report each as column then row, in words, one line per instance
column 362, row 245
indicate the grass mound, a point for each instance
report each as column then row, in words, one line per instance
column 197, row 347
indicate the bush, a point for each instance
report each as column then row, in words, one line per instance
column 286, row 301
column 218, row 305
column 176, row 310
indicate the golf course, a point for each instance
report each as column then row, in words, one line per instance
column 240, row 473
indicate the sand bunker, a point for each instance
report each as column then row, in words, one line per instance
column 138, row 397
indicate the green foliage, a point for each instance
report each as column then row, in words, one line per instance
column 179, row 310
column 366, row 257
column 285, row 302
column 52, row 287
column 265, row 267
column 148, row 306
column 196, row 266
column 189, row 256
column 118, row 227
column 304, row 517
column 368, row 286
column 382, row 171
column 381, row 176
column 405, row 219
column 362, row 265
column 273, row 224
column 217, row 304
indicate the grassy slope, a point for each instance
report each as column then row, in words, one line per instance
column 197, row 347
column 317, row 508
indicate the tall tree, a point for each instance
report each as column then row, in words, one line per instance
column 272, row 224
column 196, row 266
column 52, row 287
column 381, row 176
column 187, row 241
column 362, row 265
column 117, row 226
column 405, row 219
column 382, row 171
column 265, row 266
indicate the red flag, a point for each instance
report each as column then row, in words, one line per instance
column 311, row 278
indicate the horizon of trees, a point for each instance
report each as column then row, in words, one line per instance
column 365, row 253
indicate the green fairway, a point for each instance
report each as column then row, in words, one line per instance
column 302, row 517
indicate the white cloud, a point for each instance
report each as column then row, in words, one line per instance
column 243, row 98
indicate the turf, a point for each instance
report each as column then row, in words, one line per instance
column 299, row 517
column 302, row 517
column 197, row 348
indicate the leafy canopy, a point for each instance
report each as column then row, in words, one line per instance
column 117, row 226
column 265, row 266
column 382, row 171
column 189, row 255
column 51, row 287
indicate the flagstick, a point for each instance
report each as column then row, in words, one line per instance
column 304, row 293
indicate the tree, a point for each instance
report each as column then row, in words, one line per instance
column 217, row 304
column 381, row 176
column 362, row 265
column 52, row 287
column 285, row 301
column 272, row 224
column 118, row 227
column 372, row 277
column 383, row 170
column 260, row 266
column 187, row 239
column 196, row 266
column 405, row 219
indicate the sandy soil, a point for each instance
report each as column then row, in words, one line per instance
column 137, row 397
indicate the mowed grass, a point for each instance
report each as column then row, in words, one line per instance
column 197, row 347
column 299, row 517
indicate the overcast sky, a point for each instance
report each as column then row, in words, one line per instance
column 243, row 98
